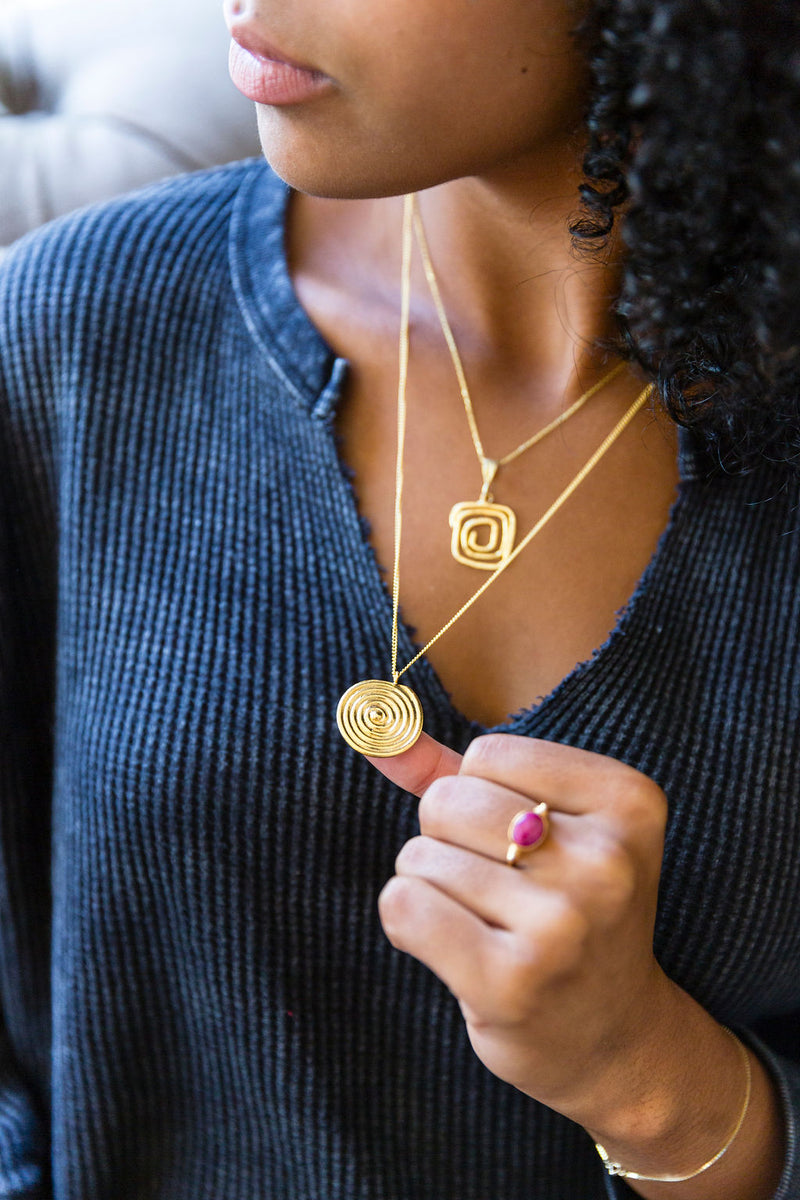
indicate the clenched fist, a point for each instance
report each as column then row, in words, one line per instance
column 552, row 961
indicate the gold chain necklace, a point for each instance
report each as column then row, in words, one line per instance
column 380, row 717
column 484, row 532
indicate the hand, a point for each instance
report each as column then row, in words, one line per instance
column 552, row 962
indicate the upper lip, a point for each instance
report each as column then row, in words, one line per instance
column 254, row 44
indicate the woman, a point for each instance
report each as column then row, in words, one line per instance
column 200, row 466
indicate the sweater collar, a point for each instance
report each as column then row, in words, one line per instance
column 282, row 330
column 277, row 322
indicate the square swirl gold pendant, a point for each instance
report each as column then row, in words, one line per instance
column 483, row 534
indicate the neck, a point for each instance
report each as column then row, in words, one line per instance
column 511, row 283
column 509, row 274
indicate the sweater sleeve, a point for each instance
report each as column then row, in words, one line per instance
column 27, row 619
column 777, row 1044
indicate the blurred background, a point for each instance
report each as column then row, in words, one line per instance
column 101, row 96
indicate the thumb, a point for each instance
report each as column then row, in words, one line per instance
column 415, row 769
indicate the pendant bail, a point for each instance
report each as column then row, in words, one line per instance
column 489, row 468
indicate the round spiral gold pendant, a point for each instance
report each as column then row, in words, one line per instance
column 379, row 718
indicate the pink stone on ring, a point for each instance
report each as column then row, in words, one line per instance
column 526, row 832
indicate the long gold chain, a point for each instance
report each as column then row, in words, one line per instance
column 402, row 381
column 374, row 716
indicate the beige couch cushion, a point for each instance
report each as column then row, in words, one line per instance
column 101, row 96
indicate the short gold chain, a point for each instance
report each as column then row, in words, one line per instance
column 441, row 312
column 589, row 465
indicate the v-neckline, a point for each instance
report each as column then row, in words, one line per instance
column 424, row 677
column 314, row 377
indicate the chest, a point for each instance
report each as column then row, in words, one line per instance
column 214, row 615
column 559, row 600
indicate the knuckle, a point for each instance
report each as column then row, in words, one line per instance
column 564, row 961
column 436, row 801
column 619, row 882
column 523, row 962
column 643, row 806
column 563, row 940
column 413, row 856
column 571, row 932
column 513, row 991
column 612, row 879
column 395, row 907
column 482, row 753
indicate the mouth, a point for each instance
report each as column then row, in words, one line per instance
column 266, row 75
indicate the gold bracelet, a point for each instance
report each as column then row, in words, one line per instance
column 615, row 1168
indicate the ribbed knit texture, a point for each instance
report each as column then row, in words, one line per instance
column 198, row 1000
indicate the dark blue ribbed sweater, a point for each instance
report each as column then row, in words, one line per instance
column 197, row 998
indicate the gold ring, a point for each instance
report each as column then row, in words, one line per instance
column 526, row 832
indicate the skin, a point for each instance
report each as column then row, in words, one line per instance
column 399, row 117
column 536, row 957
column 478, row 105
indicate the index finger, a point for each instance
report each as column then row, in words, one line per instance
column 416, row 768
column 571, row 780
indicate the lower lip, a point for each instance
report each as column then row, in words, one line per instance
column 267, row 81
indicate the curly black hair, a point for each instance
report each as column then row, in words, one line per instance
column 694, row 148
